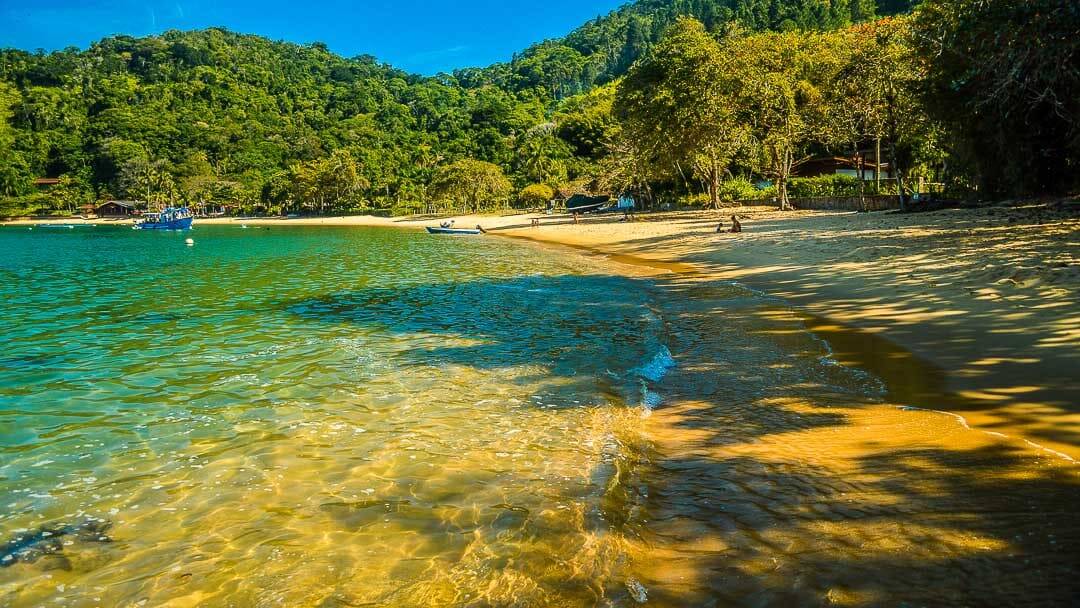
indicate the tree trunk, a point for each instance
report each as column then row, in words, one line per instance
column 714, row 186
column 686, row 183
column 859, row 169
column 899, row 176
column 783, row 173
column 877, row 166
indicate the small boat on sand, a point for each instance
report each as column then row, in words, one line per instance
column 580, row 203
column 457, row 231
column 169, row 219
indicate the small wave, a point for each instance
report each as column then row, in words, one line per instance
column 650, row 400
column 964, row 423
column 239, row 379
column 657, row 367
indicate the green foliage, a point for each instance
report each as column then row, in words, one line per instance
column 220, row 118
column 680, row 104
column 334, row 182
column 586, row 122
column 14, row 170
column 536, row 195
column 642, row 100
column 739, row 189
column 542, row 157
column 470, row 186
column 1003, row 76
column 604, row 49
column 824, row 185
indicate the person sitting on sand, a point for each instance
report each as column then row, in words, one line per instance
column 736, row 226
column 720, row 227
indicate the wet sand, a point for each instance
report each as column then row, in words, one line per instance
column 970, row 311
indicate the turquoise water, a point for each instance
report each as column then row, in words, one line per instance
column 269, row 395
column 370, row 417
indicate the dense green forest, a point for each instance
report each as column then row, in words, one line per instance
column 689, row 100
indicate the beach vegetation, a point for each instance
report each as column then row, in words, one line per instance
column 471, row 186
column 1003, row 79
column 536, row 196
column 662, row 99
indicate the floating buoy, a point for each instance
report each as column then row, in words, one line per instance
column 30, row 228
column 190, row 242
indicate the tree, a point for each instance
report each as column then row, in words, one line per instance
column 141, row 179
column 332, row 182
column 679, row 104
column 1004, row 76
column 541, row 156
column 471, row 186
column 586, row 122
column 14, row 171
column 627, row 169
column 71, row 193
column 536, row 195
column 892, row 81
column 780, row 90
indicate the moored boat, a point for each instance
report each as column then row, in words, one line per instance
column 457, row 231
column 169, row 219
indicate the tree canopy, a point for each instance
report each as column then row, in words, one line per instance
column 671, row 98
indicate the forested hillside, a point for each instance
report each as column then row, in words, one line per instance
column 221, row 111
column 605, row 48
column 212, row 118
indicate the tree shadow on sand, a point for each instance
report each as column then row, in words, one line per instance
column 764, row 481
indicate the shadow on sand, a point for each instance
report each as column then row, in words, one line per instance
column 771, row 475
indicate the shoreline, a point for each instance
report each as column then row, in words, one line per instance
column 971, row 312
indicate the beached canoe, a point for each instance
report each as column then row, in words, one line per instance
column 457, row 231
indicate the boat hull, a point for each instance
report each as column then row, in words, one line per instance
column 181, row 224
column 453, row 231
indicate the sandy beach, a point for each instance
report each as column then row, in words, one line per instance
column 971, row 311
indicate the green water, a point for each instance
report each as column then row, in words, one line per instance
column 279, row 413
column 370, row 417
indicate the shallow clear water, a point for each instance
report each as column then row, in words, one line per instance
column 342, row 416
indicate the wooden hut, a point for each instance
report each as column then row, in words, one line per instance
column 116, row 209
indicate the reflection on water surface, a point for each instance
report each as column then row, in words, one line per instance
column 338, row 417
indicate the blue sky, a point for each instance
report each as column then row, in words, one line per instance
column 416, row 35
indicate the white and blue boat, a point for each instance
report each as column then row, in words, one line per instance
column 169, row 219
column 454, row 231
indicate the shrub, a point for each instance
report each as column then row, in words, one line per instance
column 823, row 185
column 695, row 200
column 738, row 189
column 536, row 195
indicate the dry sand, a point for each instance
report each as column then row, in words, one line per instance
column 974, row 312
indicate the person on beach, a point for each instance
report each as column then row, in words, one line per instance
column 736, row 225
column 720, row 227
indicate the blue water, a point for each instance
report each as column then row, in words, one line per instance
column 285, row 377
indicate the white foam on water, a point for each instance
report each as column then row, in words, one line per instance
column 650, row 400
column 658, row 366
column 964, row 423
